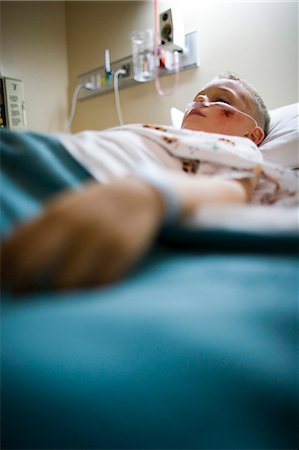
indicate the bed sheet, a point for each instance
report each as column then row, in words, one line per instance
column 191, row 351
column 195, row 349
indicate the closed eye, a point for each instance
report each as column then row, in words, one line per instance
column 222, row 100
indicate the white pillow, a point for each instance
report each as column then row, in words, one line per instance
column 281, row 145
column 176, row 116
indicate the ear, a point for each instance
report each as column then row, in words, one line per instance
column 256, row 135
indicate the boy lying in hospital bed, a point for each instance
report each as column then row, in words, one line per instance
column 96, row 235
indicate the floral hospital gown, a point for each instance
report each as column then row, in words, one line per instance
column 117, row 152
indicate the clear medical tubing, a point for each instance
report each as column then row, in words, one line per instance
column 194, row 105
column 116, row 95
column 90, row 87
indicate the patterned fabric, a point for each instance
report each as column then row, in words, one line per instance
column 118, row 152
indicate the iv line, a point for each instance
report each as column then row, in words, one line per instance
column 90, row 87
column 116, row 94
column 177, row 77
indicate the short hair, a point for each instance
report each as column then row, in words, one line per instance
column 262, row 113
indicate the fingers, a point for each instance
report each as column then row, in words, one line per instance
column 29, row 257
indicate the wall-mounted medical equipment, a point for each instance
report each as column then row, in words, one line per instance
column 172, row 35
column 12, row 104
column 143, row 55
column 169, row 44
column 104, row 82
column 155, row 53
column 153, row 50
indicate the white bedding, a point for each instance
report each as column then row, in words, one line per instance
column 119, row 151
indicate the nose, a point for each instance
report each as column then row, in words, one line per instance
column 202, row 98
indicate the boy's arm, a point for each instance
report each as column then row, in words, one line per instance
column 95, row 236
column 193, row 192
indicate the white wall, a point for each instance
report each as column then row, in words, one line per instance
column 34, row 50
column 257, row 40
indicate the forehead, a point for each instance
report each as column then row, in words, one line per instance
column 234, row 88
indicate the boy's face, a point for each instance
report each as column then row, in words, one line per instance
column 216, row 119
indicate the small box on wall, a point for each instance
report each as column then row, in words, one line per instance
column 12, row 104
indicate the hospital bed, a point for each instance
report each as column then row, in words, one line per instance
column 196, row 349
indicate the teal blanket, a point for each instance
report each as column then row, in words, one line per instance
column 195, row 350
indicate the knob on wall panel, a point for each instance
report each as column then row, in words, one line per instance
column 172, row 30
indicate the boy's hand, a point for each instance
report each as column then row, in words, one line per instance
column 90, row 237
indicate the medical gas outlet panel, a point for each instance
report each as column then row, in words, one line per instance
column 103, row 81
